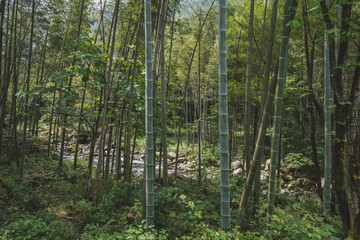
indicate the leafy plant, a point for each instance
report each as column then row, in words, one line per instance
column 36, row 228
column 139, row 232
column 285, row 225
column 297, row 161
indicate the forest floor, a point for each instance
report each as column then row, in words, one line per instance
column 50, row 204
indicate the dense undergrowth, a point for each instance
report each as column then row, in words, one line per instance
column 56, row 205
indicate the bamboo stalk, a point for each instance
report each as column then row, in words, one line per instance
column 275, row 143
column 223, row 120
column 149, row 115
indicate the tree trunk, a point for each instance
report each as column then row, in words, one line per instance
column 309, row 72
column 63, row 130
column 106, row 99
column 127, row 155
column 336, row 79
column 16, row 64
column 79, row 126
column 264, row 102
column 107, row 165
column 199, row 102
column 54, row 95
column 351, row 162
column 27, row 90
column 7, row 74
column 257, row 185
column 93, row 141
column 163, row 100
column 118, row 154
column 184, row 99
column 248, row 86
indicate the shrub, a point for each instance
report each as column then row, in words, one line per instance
column 36, row 228
column 82, row 210
column 297, row 161
column 30, row 198
column 285, row 225
column 138, row 232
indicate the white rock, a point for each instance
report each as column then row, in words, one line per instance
column 284, row 191
column 235, row 165
column 171, row 155
column 181, row 160
column 237, row 171
column 264, row 175
column 267, row 165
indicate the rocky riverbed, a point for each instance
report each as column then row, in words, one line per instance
column 187, row 167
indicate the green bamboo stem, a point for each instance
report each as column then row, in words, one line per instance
column 275, row 143
column 223, row 120
column 247, row 151
column 149, row 145
column 267, row 99
column 255, row 163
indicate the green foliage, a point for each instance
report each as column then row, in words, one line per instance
column 139, row 232
column 297, row 161
column 73, row 176
column 284, row 199
column 27, row 196
column 32, row 227
column 285, row 225
column 54, row 205
column 209, row 157
column 112, row 203
column 82, row 210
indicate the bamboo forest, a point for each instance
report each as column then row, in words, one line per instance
column 180, row 119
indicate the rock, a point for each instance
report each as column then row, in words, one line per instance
column 267, row 165
column 237, row 171
column 235, row 165
column 306, row 182
column 284, row 190
column 299, row 181
column 291, row 185
column 288, row 177
column 185, row 166
column 131, row 215
column 182, row 166
column 180, row 160
column 171, row 155
column 264, row 175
